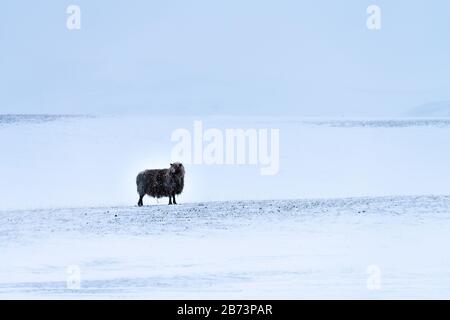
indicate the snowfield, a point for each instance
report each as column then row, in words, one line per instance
column 230, row 250
column 378, row 226
column 93, row 161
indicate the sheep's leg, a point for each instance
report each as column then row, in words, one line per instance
column 140, row 202
column 174, row 201
column 170, row 200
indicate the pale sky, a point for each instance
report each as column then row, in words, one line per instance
column 314, row 58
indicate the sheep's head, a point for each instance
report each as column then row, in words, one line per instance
column 177, row 168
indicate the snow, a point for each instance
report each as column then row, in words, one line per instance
column 432, row 109
column 93, row 161
column 359, row 209
column 237, row 249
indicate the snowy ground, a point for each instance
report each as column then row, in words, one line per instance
column 93, row 161
column 67, row 196
column 241, row 249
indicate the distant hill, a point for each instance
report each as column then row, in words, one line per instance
column 433, row 109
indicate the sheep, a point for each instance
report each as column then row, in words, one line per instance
column 159, row 183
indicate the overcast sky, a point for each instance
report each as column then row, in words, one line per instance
column 314, row 58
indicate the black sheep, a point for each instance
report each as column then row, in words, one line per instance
column 160, row 183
